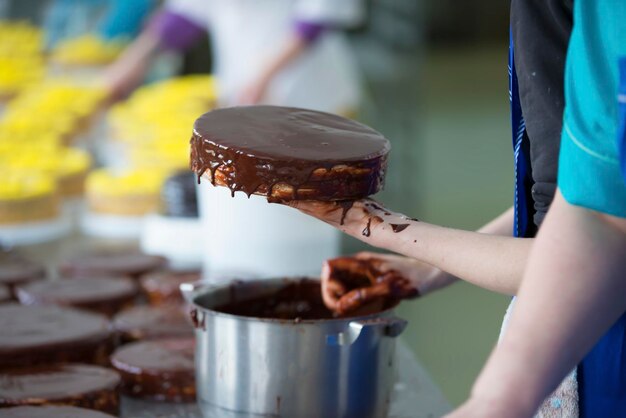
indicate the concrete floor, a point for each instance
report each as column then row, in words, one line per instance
column 465, row 177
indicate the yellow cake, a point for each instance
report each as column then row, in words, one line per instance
column 87, row 50
column 27, row 196
column 21, row 58
column 68, row 166
column 62, row 109
column 131, row 193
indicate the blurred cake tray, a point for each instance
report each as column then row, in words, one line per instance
column 177, row 239
column 30, row 233
column 112, row 226
column 415, row 396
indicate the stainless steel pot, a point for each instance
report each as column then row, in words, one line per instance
column 311, row 368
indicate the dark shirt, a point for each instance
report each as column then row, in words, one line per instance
column 541, row 30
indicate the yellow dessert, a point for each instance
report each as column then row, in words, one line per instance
column 151, row 123
column 88, row 50
column 67, row 166
column 62, row 108
column 21, row 58
column 131, row 193
column 26, row 196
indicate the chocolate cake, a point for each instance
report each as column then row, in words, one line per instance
column 288, row 153
column 115, row 263
column 105, row 295
column 51, row 334
column 164, row 287
column 16, row 270
column 51, row 412
column 150, row 322
column 79, row 385
column 161, row 370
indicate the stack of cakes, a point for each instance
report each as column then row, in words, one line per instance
column 40, row 169
column 74, row 345
column 146, row 146
column 21, row 58
column 148, row 127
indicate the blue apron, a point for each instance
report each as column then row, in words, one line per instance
column 602, row 373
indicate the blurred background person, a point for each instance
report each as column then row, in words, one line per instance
column 283, row 52
column 107, row 19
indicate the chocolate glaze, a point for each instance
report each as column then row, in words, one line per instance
column 159, row 369
column 51, row 412
column 298, row 300
column 112, row 262
column 150, row 322
column 71, row 384
column 346, row 205
column 398, row 227
column 44, row 334
column 366, row 231
column 106, row 295
column 164, row 287
column 258, row 147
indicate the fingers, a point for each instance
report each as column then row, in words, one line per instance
column 325, row 211
column 332, row 290
column 356, row 298
column 400, row 287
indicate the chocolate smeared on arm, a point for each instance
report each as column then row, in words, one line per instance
column 398, row 227
column 289, row 154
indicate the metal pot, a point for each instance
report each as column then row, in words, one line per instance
column 311, row 368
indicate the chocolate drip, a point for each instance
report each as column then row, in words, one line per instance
column 255, row 149
column 398, row 227
column 366, row 231
column 346, row 205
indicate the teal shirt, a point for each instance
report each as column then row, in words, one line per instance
column 589, row 168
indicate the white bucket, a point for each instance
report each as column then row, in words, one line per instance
column 261, row 239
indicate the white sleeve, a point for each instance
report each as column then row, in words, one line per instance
column 197, row 11
column 345, row 13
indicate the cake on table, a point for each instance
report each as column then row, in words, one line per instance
column 51, row 334
column 15, row 270
column 80, row 385
column 164, row 287
column 111, row 262
column 161, row 370
column 105, row 295
column 51, row 412
column 132, row 193
column 152, row 322
column 27, row 197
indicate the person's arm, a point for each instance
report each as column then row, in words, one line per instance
column 166, row 30
column 129, row 70
column 494, row 262
column 302, row 37
column 311, row 19
column 572, row 291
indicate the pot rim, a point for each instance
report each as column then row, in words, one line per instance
column 192, row 291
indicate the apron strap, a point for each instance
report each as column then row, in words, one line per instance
column 523, row 225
